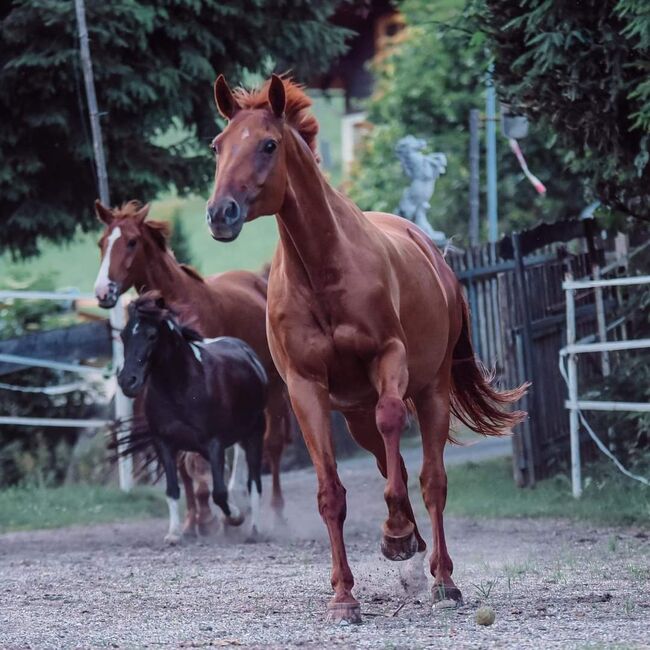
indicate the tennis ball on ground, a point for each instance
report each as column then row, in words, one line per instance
column 485, row 615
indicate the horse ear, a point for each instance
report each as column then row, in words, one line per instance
column 104, row 214
column 142, row 213
column 277, row 96
column 226, row 102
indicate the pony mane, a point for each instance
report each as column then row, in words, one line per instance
column 147, row 306
column 296, row 108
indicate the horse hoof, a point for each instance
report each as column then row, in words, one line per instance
column 446, row 596
column 234, row 520
column 208, row 528
column 172, row 539
column 398, row 549
column 253, row 537
column 344, row 613
column 189, row 533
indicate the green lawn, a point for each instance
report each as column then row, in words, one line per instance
column 487, row 490
column 32, row 508
column 483, row 490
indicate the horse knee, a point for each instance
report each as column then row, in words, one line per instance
column 433, row 487
column 331, row 501
column 390, row 415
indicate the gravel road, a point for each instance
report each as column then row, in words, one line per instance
column 552, row 584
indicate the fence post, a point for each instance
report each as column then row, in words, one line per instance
column 574, row 428
column 123, row 405
column 529, row 363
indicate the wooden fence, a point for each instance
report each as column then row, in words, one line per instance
column 517, row 305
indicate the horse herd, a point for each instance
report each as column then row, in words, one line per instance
column 360, row 313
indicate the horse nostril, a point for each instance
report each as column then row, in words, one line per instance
column 132, row 381
column 231, row 212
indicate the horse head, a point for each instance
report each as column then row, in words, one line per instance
column 125, row 246
column 251, row 174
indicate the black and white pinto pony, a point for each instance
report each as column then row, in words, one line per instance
column 199, row 395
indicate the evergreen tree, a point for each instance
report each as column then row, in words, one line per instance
column 179, row 242
column 154, row 64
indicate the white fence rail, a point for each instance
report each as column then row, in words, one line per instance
column 123, row 405
column 572, row 349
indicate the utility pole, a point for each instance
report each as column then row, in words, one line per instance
column 474, row 180
column 491, row 158
column 123, row 405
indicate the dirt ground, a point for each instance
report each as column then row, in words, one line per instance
column 552, row 584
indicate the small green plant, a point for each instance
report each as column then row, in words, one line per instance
column 484, row 588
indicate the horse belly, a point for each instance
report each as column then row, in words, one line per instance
column 349, row 384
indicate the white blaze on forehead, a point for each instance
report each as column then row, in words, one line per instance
column 101, row 284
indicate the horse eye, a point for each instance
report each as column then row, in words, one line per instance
column 270, row 146
column 131, row 243
column 213, row 147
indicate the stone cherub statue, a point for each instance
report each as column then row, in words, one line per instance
column 423, row 169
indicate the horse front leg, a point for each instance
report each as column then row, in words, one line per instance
column 275, row 438
column 172, row 492
column 433, row 412
column 216, row 454
column 310, row 400
column 389, row 375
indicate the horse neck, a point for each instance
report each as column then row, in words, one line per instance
column 164, row 273
column 315, row 221
column 172, row 362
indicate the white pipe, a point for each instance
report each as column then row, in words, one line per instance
column 614, row 282
column 53, row 422
column 45, row 295
column 611, row 346
column 574, row 425
column 591, row 405
column 46, row 363
column 123, row 405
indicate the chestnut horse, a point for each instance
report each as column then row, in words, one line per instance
column 364, row 316
column 135, row 253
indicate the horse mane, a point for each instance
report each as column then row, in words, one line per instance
column 192, row 272
column 127, row 209
column 296, row 108
column 152, row 306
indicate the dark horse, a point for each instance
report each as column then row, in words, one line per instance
column 200, row 395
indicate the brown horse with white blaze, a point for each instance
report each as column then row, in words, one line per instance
column 364, row 316
column 135, row 254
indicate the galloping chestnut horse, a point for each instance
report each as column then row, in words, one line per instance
column 364, row 316
column 134, row 253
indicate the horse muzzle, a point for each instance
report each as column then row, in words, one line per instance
column 225, row 219
column 130, row 384
column 107, row 296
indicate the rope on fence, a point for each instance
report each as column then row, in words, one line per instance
column 596, row 439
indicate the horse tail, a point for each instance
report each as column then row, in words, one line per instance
column 474, row 399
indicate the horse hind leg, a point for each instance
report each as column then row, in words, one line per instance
column 275, row 437
column 191, row 515
column 390, row 377
column 199, row 469
column 253, row 449
column 433, row 412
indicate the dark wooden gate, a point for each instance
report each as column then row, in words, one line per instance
column 517, row 305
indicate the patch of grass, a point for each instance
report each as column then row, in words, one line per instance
column 487, row 490
column 32, row 508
